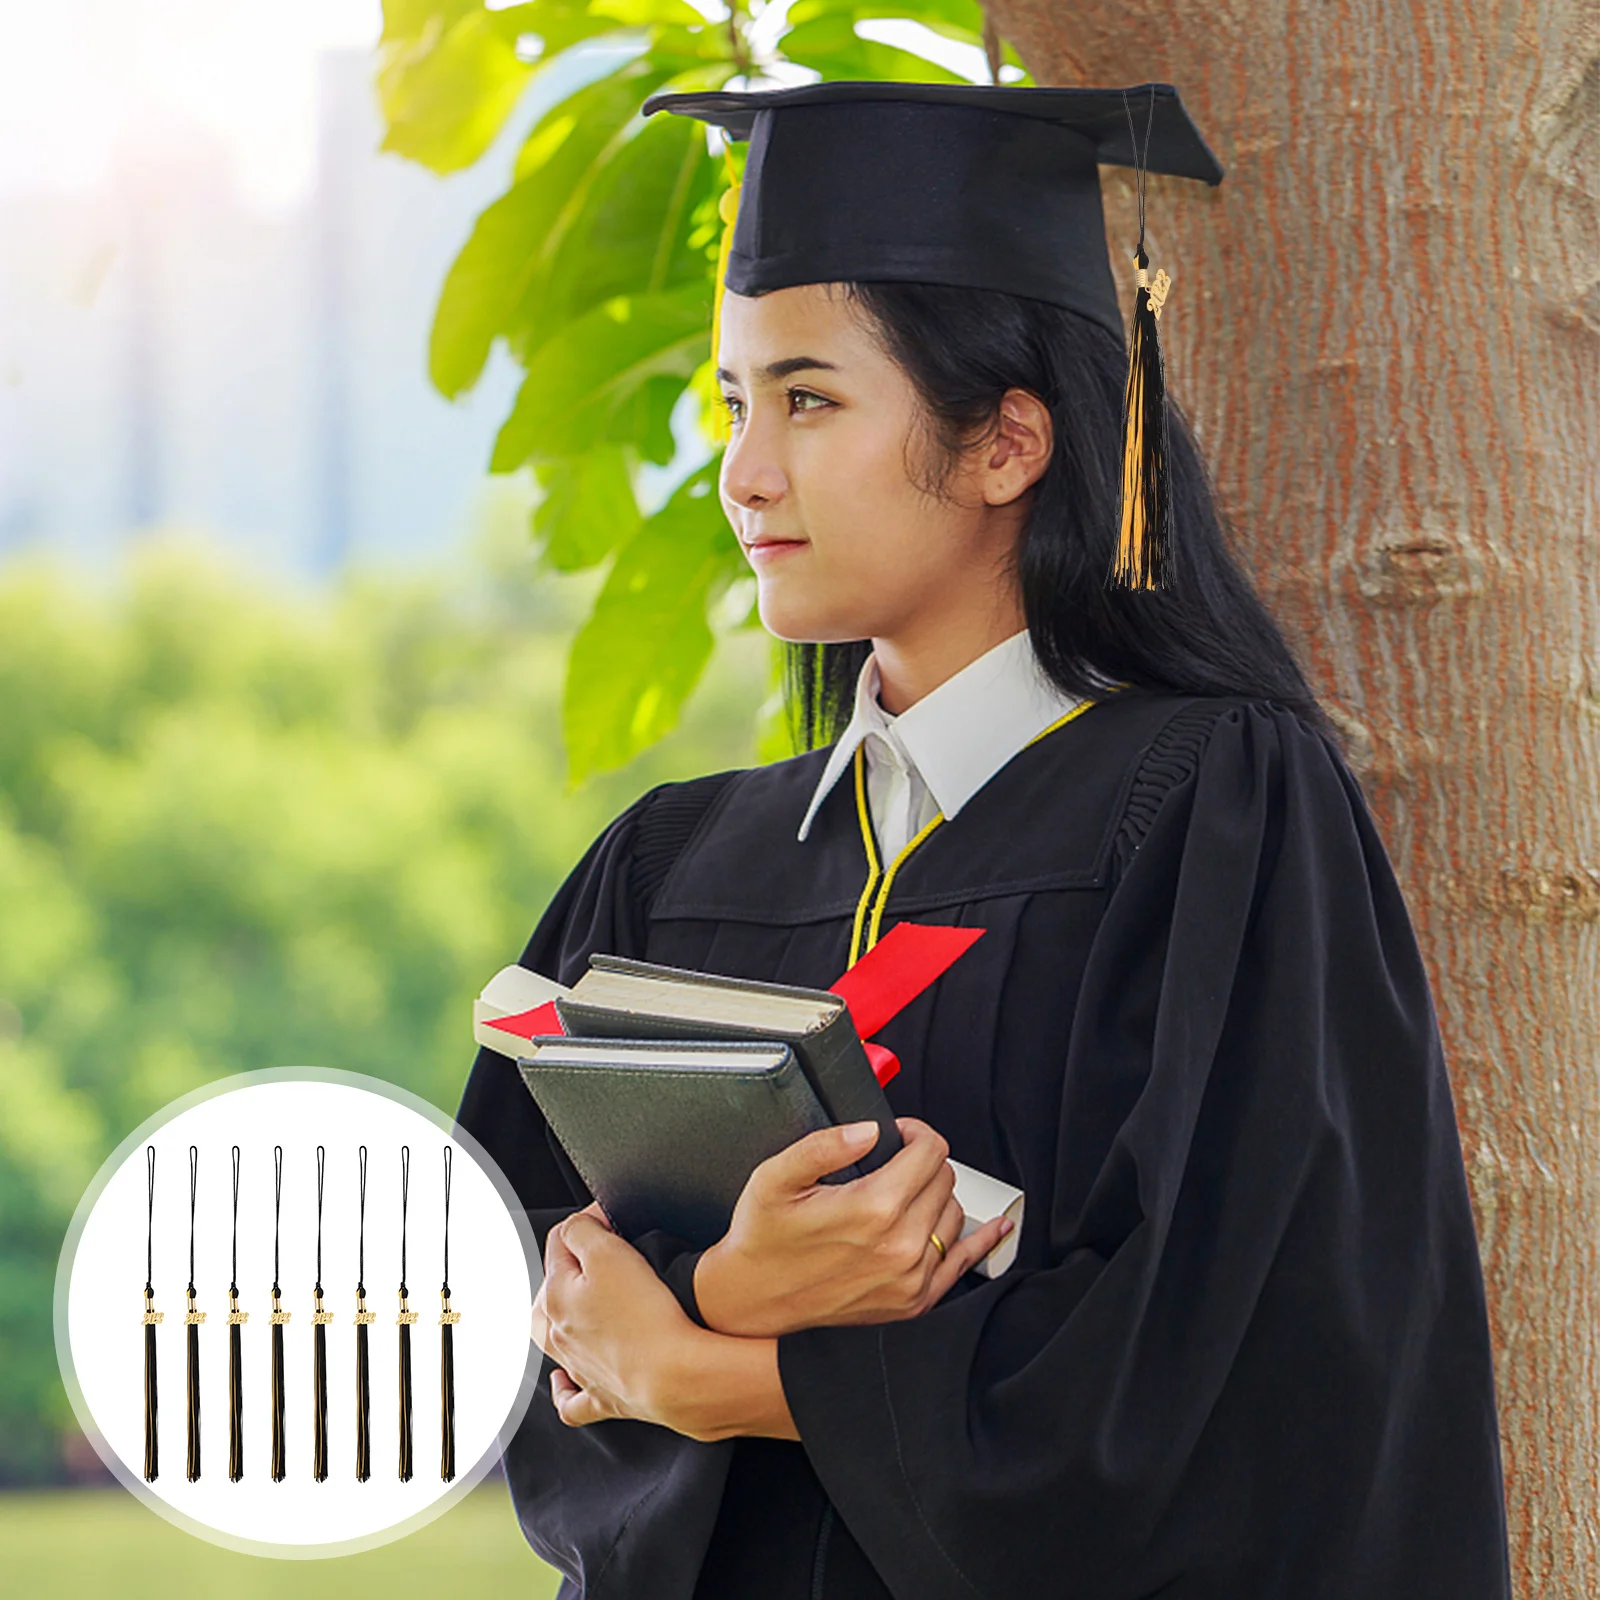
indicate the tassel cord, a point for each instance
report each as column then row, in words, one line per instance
column 406, row 1318
column 447, row 1360
column 1143, row 558
column 279, row 1317
column 236, row 1319
column 152, row 1442
column 193, row 1320
column 363, row 1319
column 319, row 1352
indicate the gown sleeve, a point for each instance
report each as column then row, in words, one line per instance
column 578, row 1492
column 1255, row 1360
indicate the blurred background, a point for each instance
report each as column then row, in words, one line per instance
column 281, row 768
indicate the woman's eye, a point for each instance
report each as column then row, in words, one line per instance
column 798, row 397
column 734, row 406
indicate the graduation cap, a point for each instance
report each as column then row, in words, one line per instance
column 978, row 186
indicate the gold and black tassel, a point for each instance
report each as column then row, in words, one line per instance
column 406, row 1318
column 364, row 1320
column 1144, row 553
column 447, row 1357
column 236, row 1321
column 151, row 1317
column 192, row 1320
column 278, row 1318
column 319, row 1354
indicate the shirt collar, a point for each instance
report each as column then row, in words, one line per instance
column 960, row 734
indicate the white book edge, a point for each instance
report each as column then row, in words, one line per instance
column 514, row 990
column 510, row 992
column 982, row 1199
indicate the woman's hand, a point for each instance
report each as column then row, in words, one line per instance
column 624, row 1348
column 800, row 1253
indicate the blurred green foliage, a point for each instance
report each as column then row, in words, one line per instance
column 595, row 270
column 240, row 830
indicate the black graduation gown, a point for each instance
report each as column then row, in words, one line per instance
column 1244, row 1350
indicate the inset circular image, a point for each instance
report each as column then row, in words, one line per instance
column 318, row 1392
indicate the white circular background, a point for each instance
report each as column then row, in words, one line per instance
column 493, row 1276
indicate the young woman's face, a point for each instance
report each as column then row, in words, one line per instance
column 823, row 475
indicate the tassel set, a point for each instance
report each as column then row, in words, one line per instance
column 1144, row 553
column 278, row 1319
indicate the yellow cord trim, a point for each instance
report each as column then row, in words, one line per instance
column 871, row 846
column 870, row 907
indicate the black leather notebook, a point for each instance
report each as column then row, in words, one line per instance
column 619, row 998
column 665, row 1132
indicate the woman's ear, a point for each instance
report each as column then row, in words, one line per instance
column 1019, row 451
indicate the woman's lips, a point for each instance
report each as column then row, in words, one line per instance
column 769, row 549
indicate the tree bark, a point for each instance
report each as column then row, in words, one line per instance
column 1384, row 326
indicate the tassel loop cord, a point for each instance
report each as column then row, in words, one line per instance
column 320, row 1318
column 236, row 1321
column 447, row 1362
column 364, row 1320
column 280, row 1465
column 192, row 1320
column 150, row 1319
column 406, row 1318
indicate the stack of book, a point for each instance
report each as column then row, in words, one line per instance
column 667, row 1088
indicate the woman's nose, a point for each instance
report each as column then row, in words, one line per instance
column 752, row 475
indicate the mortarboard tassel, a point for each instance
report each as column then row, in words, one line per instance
column 1144, row 537
column 364, row 1320
column 406, row 1318
column 152, row 1453
column 319, row 1353
column 447, row 1357
column 280, row 1464
column 192, row 1320
column 236, row 1321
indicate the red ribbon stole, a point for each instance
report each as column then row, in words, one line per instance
column 909, row 958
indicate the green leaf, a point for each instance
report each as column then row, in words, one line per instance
column 581, row 380
column 498, row 286
column 636, row 660
column 588, row 509
column 447, row 89
column 829, row 45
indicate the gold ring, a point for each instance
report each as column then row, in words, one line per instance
column 937, row 1243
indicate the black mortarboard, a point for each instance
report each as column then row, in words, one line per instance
column 979, row 186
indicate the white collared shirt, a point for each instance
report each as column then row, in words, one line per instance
column 932, row 758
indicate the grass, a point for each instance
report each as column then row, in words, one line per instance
column 91, row 1544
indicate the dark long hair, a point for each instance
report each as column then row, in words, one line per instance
column 1209, row 634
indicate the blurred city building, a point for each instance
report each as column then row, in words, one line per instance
column 176, row 353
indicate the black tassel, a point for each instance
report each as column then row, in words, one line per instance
column 447, row 1355
column 280, row 1450
column 152, row 1451
column 1144, row 536
column 364, row 1320
column 447, row 1393
column 236, row 1319
column 319, row 1355
column 363, row 1394
column 319, row 1407
column 406, row 1319
column 193, row 1320
column 280, row 1453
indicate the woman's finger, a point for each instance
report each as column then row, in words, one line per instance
column 962, row 1257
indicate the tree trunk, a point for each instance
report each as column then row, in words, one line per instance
column 1384, row 326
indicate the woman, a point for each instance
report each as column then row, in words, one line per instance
column 1243, row 1350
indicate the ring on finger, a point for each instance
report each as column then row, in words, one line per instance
column 938, row 1244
